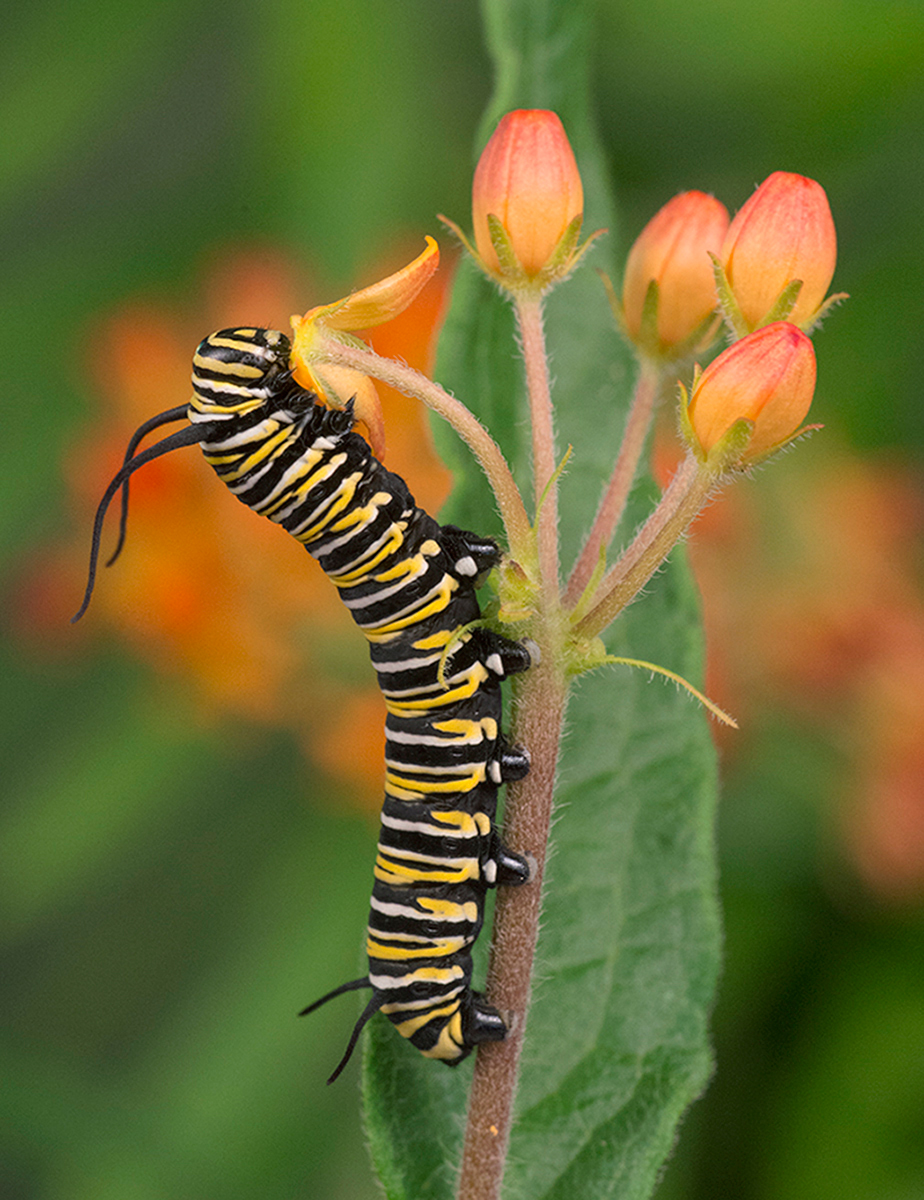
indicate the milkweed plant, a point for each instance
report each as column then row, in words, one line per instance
column 742, row 297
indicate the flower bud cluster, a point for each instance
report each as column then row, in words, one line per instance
column 774, row 261
column 766, row 273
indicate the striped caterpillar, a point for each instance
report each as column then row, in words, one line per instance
column 409, row 584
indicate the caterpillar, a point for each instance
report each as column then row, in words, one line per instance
column 409, row 584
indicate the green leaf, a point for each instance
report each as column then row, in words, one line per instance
column 617, row 1041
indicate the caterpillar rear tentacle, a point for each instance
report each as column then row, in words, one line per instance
column 409, row 584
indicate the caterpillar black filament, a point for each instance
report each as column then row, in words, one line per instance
column 409, row 584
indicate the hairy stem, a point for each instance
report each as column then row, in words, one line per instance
column 617, row 491
column 538, row 716
column 687, row 493
column 413, row 383
column 528, row 308
column 539, row 708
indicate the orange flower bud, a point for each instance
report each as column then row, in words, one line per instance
column 767, row 377
column 673, row 250
column 784, row 232
column 528, row 178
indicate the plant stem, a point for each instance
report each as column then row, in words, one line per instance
column 528, row 308
column 614, row 499
column 539, row 707
column 687, row 493
column 413, row 383
column 538, row 716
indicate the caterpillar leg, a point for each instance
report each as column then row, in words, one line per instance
column 481, row 1023
column 509, row 764
column 472, row 556
column 452, row 1038
column 508, row 868
column 502, row 656
column 504, row 867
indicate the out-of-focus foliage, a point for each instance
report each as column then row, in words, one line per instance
column 175, row 885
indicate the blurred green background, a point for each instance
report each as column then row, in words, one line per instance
column 172, row 891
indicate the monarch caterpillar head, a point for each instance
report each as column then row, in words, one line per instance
column 235, row 370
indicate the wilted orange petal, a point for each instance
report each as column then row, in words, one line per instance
column 383, row 300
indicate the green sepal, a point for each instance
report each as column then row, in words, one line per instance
column 758, row 460
column 728, row 305
column 565, row 249
column 728, row 452
column 619, row 313
column 455, row 229
column 562, row 261
column 567, row 254
column 683, row 417
column 783, row 305
column 510, row 266
column 648, row 329
column 822, row 311
column 648, row 342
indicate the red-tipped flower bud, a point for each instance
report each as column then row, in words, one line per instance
column 528, row 178
column 673, row 251
column 784, row 232
column 767, row 377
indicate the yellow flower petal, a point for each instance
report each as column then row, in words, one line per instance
column 368, row 411
column 304, row 340
column 380, row 301
column 370, row 306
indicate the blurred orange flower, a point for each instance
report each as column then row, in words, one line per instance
column 813, row 606
column 206, row 589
